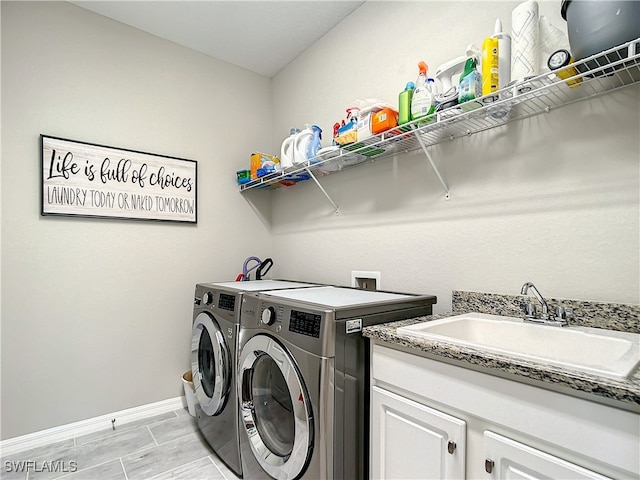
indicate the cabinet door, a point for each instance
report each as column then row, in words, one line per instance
column 412, row 441
column 508, row 459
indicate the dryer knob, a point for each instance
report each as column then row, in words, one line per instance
column 268, row 316
column 207, row 298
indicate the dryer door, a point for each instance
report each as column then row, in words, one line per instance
column 210, row 364
column 275, row 408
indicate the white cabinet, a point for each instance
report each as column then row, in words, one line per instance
column 501, row 428
column 507, row 459
column 413, row 441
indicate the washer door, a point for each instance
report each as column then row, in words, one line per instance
column 210, row 364
column 275, row 408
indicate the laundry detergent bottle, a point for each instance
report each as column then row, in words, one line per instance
column 286, row 149
column 422, row 104
column 301, row 145
column 315, row 144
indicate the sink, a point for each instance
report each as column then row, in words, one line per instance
column 596, row 351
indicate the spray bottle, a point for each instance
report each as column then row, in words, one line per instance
column 470, row 81
column 422, row 101
column 431, row 85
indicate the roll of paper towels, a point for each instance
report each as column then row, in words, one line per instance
column 525, row 39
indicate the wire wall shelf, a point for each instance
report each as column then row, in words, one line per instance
column 599, row 74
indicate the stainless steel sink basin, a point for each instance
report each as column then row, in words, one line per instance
column 596, row 351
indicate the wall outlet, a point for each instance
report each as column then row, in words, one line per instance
column 366, row 280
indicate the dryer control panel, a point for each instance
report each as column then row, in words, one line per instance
column 227, row 302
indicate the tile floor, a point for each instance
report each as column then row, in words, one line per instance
column 163, row 447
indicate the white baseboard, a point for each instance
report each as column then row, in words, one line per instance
column 64, row 432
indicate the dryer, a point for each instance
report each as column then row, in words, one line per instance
column 214, row 356
column 303, row 379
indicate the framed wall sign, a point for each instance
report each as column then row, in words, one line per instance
column 89, row 180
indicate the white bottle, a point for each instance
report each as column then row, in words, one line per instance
column 301, row 143
column 504, row 55
column 286, row 149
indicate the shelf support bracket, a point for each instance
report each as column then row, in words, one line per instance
column 313, row 177
column 447, row 194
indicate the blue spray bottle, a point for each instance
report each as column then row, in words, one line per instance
column 315, row 144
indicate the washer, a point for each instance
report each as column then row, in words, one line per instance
column 214, row 357
column 303, row 379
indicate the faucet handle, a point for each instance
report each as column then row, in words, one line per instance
column 530, row 310
column 564, row 314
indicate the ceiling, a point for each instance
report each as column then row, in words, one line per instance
column 261, row 36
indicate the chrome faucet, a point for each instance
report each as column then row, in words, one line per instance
column 545, row 308
column 544, row 318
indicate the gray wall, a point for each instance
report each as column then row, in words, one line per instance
column 96, row 314
column 552, row 199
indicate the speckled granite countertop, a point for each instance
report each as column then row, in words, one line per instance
column 623, row 394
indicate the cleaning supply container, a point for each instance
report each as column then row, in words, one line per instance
column 264, row 163
column 383, row 120
column 594, row 26
column 286, row 149
column 470, row 82
column 404, row 103
column 422, row 103
column 448, row 74
column 243, row 176
column 504, row 54
column 490, row 65
column 301, row 145
column 316, row 143
column 364, row 121
column 347, row 132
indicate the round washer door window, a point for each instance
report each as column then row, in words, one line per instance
column 275, row 408
column 210, row 364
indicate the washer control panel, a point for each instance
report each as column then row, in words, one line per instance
column 305, row 323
